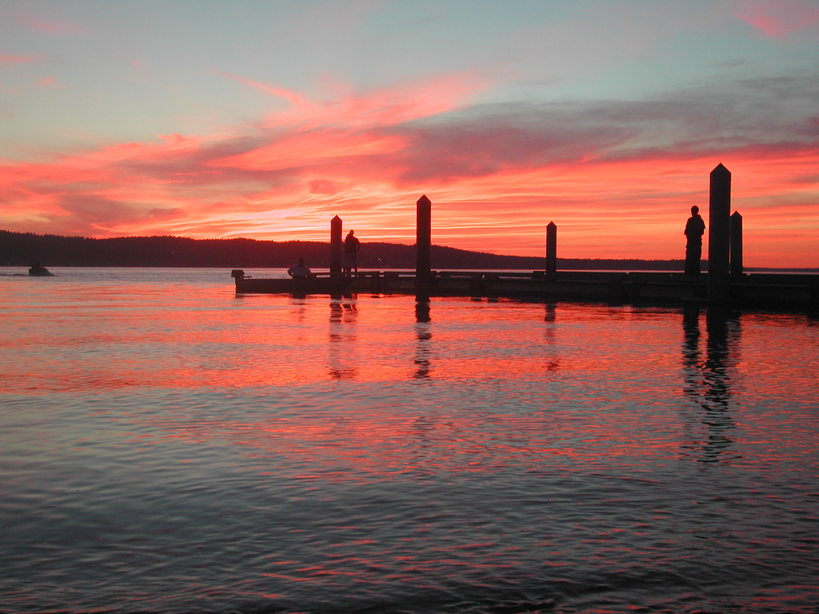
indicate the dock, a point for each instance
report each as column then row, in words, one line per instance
column 750, row 290
column 726, row 282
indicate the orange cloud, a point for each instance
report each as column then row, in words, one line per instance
column 617, row 178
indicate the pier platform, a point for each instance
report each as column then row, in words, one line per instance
column 770, row 290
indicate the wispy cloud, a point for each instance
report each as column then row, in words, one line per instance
column 49, row 82
column 602, row 170
column 386, row 105
column 6, row 58
column 49, row 26
column 294, row 98
column 779, row 18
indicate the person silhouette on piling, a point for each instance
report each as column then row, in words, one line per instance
column 694, row 229
column 300, row 270
column 351, row 247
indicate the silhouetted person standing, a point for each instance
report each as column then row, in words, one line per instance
column 694, row 229
column 351, row 247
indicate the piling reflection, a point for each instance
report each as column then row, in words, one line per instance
column 707, row 381
column 422, row 308
column 552, row 359
column 423, row 334
column 341, row 349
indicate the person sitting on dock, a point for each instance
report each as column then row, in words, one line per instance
column 351, row 247
column 694, row 229
column 300, row 270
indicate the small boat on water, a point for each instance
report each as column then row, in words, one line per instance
column 296, row 285
column 38, row 270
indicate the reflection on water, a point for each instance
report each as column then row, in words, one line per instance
column 422, row 313
column 166, row 446
column 342, row 347
column 423, row 333
column 550, row 354
column 707, row 380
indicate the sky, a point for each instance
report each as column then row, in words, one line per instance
column 264, row 119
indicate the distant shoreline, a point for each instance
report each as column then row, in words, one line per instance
column 23, row 249
column 795, row 271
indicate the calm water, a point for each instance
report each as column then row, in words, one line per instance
column 166, row 446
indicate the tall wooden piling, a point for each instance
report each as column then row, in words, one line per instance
column 335, row 246
column 551, row 248
column 736, row 245
column 719, row 211
column 423, row 241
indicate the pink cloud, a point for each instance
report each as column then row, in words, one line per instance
column 779, row 18
column 496, row 174
column 383, row 106
column 323, row 186
column 49, row 82
column 49, row 26
column 290, row 96
column 6, row 58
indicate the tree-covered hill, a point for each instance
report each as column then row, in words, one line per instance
column 23, row 249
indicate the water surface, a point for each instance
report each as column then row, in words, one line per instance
column 167, row 446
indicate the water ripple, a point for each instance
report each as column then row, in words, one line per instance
column 173, row 452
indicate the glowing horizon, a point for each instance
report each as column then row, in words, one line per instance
column 205, row 129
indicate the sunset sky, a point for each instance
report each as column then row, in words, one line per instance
column 264, row 119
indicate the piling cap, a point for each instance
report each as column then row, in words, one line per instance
column 424, row 200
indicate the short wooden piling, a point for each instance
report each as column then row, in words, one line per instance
column 551, row 248
column 335, row 246
column 719, row 211
column 736, row 245
column 423, row 241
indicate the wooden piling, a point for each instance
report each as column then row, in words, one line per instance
column 719, row 211
column 423, row 241
column 551, row 248
column 736, row 245
column 335, row 246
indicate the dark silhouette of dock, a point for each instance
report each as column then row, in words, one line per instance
column 780, row 291
column 725, row 284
